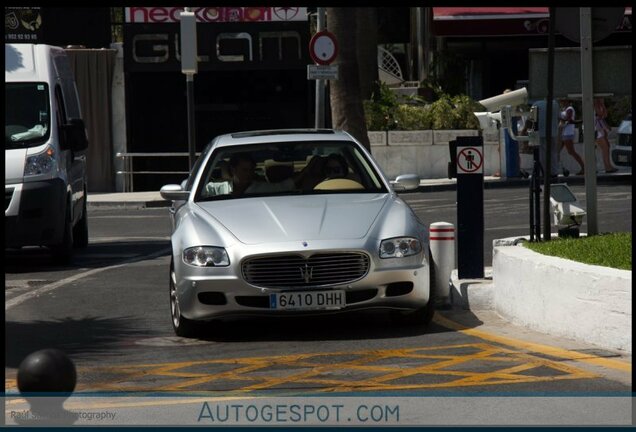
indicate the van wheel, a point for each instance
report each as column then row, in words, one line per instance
column 182, row 326
column 80, row 231
column 63, row 252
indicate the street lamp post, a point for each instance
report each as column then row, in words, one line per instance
column 320, row 83
column 189, row 67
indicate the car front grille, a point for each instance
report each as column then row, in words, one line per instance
column 325, row 269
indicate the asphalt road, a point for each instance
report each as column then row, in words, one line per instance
column 110, row 313
column 506, row 211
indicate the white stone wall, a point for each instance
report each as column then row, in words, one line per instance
column 426, row 153
column 582, row 302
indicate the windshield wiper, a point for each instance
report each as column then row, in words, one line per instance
column 216, row 198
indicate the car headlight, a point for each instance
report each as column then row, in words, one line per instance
column 206, row 256
column 399, row 247
column 41, row 163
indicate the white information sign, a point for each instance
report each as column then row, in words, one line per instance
column 321, row 72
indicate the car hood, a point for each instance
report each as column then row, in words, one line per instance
column 276, row 219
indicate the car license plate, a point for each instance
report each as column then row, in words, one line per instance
column 308, row 300
column 622, row 158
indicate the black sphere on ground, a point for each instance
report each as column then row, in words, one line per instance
column 47, row 370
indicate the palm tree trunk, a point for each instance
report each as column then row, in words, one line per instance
column 347, row 112
column 367, row 50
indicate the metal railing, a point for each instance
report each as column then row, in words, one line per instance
column 129, row 173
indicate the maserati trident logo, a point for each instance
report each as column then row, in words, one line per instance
column 305, row 272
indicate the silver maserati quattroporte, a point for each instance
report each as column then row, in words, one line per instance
column 291, row 222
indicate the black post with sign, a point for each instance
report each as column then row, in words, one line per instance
column 470, row 207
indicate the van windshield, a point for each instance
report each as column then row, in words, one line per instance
column 26, row 114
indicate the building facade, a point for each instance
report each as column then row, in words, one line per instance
column 252, row 65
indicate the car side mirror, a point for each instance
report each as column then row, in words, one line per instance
column 174, row 192
column 406, row 182
column 74, row 135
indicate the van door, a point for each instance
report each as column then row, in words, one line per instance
column 75, row 162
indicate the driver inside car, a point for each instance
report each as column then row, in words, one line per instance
column 335, row 167
column 244, row 180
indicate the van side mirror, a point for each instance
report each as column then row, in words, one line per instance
column 75, row 135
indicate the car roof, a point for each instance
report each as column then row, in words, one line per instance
column 281, row 135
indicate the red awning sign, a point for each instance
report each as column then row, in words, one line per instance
column 500, row 21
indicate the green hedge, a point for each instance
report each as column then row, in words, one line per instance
column 386, row 111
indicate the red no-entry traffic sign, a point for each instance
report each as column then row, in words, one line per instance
column 323, row 48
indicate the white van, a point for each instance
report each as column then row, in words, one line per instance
column 45, row 152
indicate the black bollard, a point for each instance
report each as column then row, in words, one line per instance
column 47, row 370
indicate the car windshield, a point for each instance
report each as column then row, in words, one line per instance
column 287, row 168
column 26, row 114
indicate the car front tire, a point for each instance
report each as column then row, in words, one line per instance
column 182, row 326
column 420, row 317
column 424, row 315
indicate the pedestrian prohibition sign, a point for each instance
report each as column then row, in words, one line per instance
column 469, row 160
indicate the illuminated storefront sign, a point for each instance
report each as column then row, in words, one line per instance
column 146, row 15
column 239, row 38
column 235, row 46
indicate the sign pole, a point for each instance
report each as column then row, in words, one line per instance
column 320, row 84
column 588, row 118
column 550, row 141
column 191, row 123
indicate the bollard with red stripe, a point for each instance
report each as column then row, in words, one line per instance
column 442, row 240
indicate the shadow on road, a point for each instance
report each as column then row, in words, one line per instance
column 77, row 338
column 351, row 326
column 29, row 260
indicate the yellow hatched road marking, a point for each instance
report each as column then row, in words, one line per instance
column 312, row 371
column 128, row 402
column 308, row 368
column 544, row 349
